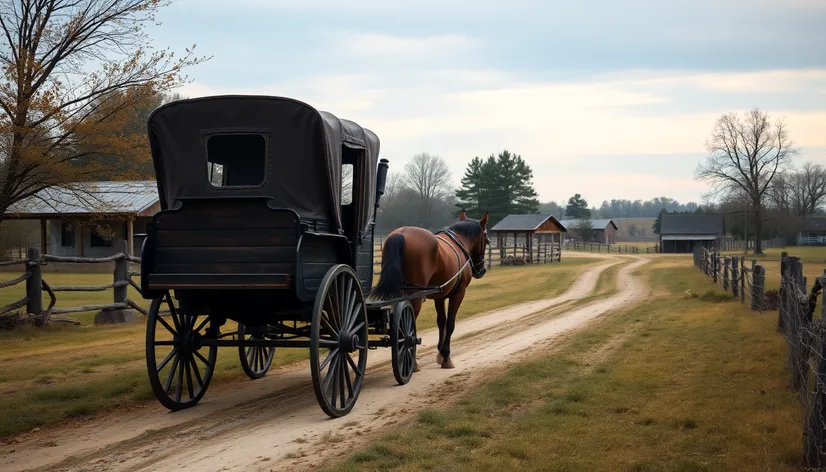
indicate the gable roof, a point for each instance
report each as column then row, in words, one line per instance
column 595, row 224
column 86, row 198
column 814, row 223
column 692, row 223
column 524, row 222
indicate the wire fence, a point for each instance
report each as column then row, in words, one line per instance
column 804, row 332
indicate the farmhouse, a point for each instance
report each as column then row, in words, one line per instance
column 603, row 231
column 680, row 232
column 813, row 232
column 536, row 231
column 90, row 219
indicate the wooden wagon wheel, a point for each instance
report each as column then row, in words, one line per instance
column 338, row 341
column 403, row 341
column 255, row 360
column 184, row 369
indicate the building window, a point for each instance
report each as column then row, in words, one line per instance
column 67, row 235
column 97, row 240
column 236, row 160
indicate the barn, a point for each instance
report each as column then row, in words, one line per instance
column 813, row 232
column 680, row 232
column 534, row 232
column 604, row 231
column 91, row 220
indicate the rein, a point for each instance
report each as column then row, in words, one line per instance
column 477, row 265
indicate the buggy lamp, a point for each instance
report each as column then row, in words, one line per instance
column 381, row 179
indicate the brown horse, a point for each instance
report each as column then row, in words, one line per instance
column 413, row 258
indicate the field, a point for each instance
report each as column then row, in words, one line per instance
column 674, row 384
column 51, row 375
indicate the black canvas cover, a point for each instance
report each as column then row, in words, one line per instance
column 303, row 149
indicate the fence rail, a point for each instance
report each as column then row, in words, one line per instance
column 36, row 286
column 805, row 336
column 611, row 248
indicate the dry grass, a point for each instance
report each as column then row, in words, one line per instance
column 683, row 385
column 57, row 373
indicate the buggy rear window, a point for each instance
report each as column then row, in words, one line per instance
column 236, row 160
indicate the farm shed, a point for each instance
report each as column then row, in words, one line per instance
column 87, row 220
column 680, row 232
column 602, row 231
column 813, row 232
column 537, row 232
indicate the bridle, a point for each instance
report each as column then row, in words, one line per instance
column 477, row 266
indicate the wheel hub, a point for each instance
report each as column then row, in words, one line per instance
column 191, row 341
column 348, row 342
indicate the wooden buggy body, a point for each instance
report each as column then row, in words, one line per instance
column 258, row 226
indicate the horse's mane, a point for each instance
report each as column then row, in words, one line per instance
column 468, row 228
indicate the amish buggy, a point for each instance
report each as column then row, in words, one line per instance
column 268, row 209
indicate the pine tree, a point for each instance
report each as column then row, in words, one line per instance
column 472, row 189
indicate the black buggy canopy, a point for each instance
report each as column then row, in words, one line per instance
column 262, row 146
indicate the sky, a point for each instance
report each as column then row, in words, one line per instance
column 606, row 98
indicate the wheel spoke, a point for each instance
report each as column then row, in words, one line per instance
column 334, row 304
column 180, row 386
column 325, row 323
column 164, row 343
column 166, row 360
column 330, row 373
column 328, row 343
column 327, row 360
column 341, row 381
column 345, row 303
column 197, row 373
column 203, row 359
column 171, row 374
column 189, row 378
column 353, row 316
column 357, row 328
column 335, row 369
column 347, row 378
column 201, row 326
column 172, row 311
column 166, row 325
column 351, row 313
column 353, row 365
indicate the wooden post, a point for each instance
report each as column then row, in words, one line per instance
column 130, row 237
column 735, row 275
column 726, row 262
column 758, row 283
column 120, row 293
column 714, row 264
column 34, row 285
column 490, row 257
column 781, row 315
column 742, row 280
column 43, row 236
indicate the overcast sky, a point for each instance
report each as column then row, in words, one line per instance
column 611, row 99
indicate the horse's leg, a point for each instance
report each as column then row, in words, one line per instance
column 417, row 307
column 441, row 319
column 452, row 309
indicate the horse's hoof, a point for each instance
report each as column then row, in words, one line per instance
column 447, row 364
column 415, row 365
column 439, row 359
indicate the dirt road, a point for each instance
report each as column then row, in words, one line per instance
column 275, row 423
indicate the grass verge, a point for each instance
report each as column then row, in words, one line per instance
column 676, row 383
column 63, row 373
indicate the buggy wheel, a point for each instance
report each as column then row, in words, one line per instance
column 403, row 341
column 338, row 341
column 255, row 360
column 182, row 375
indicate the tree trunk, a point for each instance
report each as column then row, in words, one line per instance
column 758, row 228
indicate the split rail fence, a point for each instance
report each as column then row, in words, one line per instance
column 36, row 286
column 805, row 335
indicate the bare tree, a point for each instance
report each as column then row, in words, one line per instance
column 745, row 155
column 72, row 73
column 429, row 177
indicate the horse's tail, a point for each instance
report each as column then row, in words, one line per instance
column 391, row 278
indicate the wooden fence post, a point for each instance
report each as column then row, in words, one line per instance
column 726, row 261
column 490, row 257
column 715, row 263
column 742, row 280
column 120, row 279
column 735, row 275
column 34, row 284
column 781, row 312
column 758, row 283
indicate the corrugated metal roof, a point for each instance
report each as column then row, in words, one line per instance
column 595, row 224
column 692, row 223
column 525, row 222
column 90, row 197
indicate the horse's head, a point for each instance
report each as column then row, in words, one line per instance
column 478, row 245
